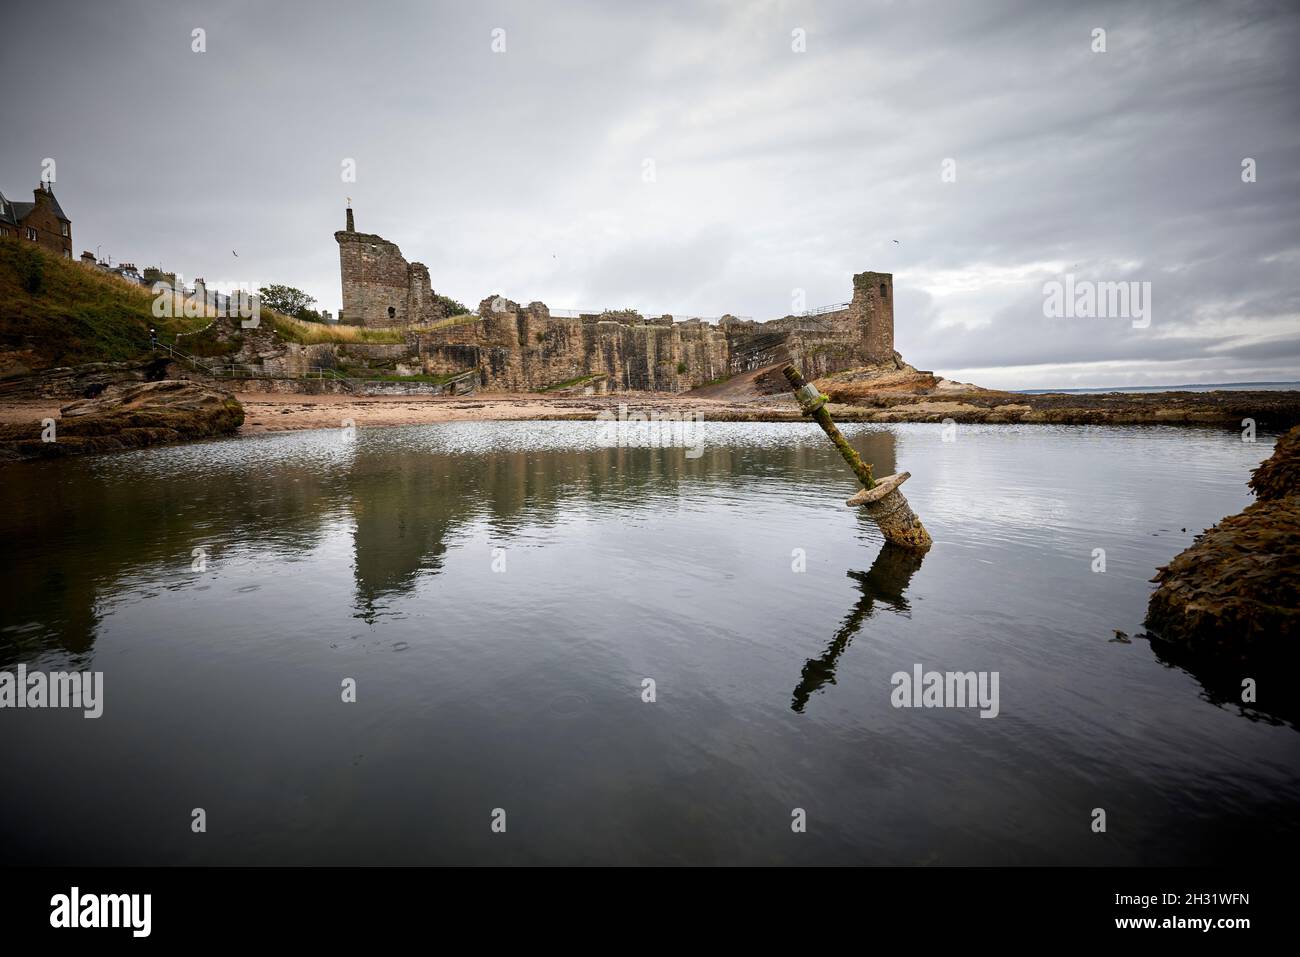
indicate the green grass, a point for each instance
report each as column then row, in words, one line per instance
column 718, row 381
column 56, row 312
column 312, row 333
column 461, row 320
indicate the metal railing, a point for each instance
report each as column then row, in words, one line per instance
column 822, row 310
column 220, row 369
column 331, row 375
column 711, row 320
column 209, row 368
column 677, row 316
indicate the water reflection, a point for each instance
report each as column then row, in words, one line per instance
column 372, row 559
column 80, row 536
column 885, row 583
column 1277, row 702
column 75, row 533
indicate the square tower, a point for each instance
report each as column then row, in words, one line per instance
column 872, row 310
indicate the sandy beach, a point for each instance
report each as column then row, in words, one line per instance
column 279, row 413
column 288, row 412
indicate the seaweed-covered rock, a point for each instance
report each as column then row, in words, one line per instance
column 1279, row 475
column 128, row 417
column 1235, row 593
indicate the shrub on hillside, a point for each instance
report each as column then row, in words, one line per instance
column 31, row 270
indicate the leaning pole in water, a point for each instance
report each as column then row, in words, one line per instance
column 884, row 503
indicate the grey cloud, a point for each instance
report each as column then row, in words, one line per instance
column 777, row 171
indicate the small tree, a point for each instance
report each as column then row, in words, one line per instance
column 450, row 306
column 289, row 301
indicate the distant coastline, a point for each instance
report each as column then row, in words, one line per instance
column 1196, row 387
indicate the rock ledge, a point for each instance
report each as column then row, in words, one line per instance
column 129, row 417
column 1235, row 593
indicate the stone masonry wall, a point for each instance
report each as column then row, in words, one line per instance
column 524, row 348
column 872, row 314
column 380, row 288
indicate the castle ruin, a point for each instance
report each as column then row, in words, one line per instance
column 515, row 347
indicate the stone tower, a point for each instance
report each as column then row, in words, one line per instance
column 872, row 314
column 380, row 288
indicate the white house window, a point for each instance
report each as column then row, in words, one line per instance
column 66, row 231
column 31, row 233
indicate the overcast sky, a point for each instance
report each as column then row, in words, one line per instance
column 774, row 171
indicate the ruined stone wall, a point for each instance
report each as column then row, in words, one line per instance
column 817, row 355
column 525, row 348
column 380, row 288
column 703, row 349
column 521, row 348
column 376, row 280
column 421, row 306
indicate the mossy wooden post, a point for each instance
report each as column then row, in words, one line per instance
column 884, row 503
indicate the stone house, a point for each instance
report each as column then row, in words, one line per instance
column 41, row 221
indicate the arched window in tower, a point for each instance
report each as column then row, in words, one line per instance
column 392, row 313
column 884, row 293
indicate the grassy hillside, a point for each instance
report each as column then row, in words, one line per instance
column 56, row 312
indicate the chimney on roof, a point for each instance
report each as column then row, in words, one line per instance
column 351, row 226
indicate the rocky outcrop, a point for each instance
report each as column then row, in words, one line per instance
column 518, row 348
column 890, row 377
column 1235, row 594
column 81, row 382
column 1279, row 475
column 898, row 393
column 127, row 417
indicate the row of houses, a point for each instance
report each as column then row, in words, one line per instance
column 44, row 222
column 149, row 277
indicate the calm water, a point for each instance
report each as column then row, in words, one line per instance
column 520, row 689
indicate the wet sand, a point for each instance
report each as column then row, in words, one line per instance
column 284, row 412
column 269, row 412
column 287, row 412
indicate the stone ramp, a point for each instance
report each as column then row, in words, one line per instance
column 742, row 387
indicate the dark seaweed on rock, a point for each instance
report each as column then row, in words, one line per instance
column 1234, row 595
column 1279, row 476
